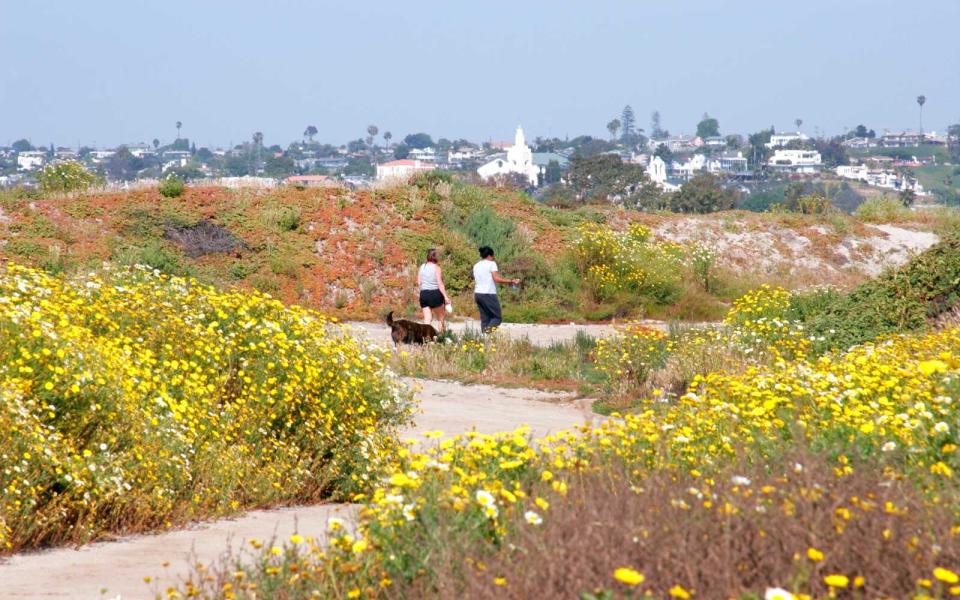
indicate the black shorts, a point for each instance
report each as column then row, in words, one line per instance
column 431, row 299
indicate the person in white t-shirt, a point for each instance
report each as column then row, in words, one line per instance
column 486, row 276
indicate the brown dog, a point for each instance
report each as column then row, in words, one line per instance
column 409, row 332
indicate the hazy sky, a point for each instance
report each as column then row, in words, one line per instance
column 110, row 72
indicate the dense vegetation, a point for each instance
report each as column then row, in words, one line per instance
column 132, row 400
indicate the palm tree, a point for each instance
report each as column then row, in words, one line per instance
column 387, row 136
column 309, row 132
column 257, row 144
column 798, row 123
column 156, row 143
column 921, row 100
column 372, row 131
column 179, row 125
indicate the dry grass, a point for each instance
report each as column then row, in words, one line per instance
column 730, row 539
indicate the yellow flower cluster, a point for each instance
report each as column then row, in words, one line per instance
column 131, row 399
column 613, row 261
column 631, row 354
column 761, row 315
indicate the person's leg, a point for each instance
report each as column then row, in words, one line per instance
column 440, row 313
column 484, row 316
column 426, row 315
column 496, row 315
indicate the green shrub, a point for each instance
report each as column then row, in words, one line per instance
column 66, row 176
column 881, row 209
column 900, row 300
column 171, row 187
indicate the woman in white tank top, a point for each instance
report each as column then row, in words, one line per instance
column 431, row 293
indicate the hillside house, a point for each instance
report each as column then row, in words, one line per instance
column 731, row 164
column 782, row 140
column 423, row 154
column 402, row 169
column 880, row 178
column 657, row 171
column 99, row 156
column 31, row 159
column 903, row 139
column 795, row 161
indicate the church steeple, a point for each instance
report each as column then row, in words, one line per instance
column 519, row 140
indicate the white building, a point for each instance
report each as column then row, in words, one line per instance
column 402, row 169
column 31, row 159
column 796, row 161
column 881, row 178
column 519, row 160
column 463, row 154
column 780, row 140
column 689, row 169
column 101, row 155
column 423, row 154
column 657, row 171
column 728, row 163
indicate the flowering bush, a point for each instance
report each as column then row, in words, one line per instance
column 890, row 404
column 171, row 186
column 628, row 358
column 66, row 176
column 628, row 261
column 132, row 400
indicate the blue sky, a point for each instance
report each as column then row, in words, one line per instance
column 109, row 72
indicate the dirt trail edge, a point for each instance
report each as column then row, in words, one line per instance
column 116, row 569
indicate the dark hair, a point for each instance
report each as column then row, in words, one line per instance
column 432, row 255
column 485, row 251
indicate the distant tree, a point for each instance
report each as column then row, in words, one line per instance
column 758, row 146
column 798, row 122
column 586, row 145
column 401, row 151
column 179, row 125
column 279, row 166
column 552, row 173
column 443, row 145
column 237, row 165
column 156, row 143
column 656, row 130
column 372, row 131
column 832, row 152
column 613, row 127
column 180, row 144
column 418, row 140
column 921, row 100
column 606, row 178
column 664, row 153
column 387, row 136
column 702, row 194
column 257, row 152
column 628, row 123
column 356, row 146
column 22, row 146
column 309, row 132
column 862, row 132
column 123, row 166
column 734, row 141
column 708, row 127
column 193, row 148
column 204, row 154
column 359, row 165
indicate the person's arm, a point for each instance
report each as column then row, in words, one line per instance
column 417, row 292
column 443, row 288
column 498, row 279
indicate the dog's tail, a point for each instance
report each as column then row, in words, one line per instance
column 390, row 318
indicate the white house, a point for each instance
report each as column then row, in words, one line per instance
column 796, row 161
column 728, row 163
column 101, row 155
column 881, row 178
column 903, row 139
column 463, row 154
column 519, row 160
column 31, row 159
column 402, row 169
column 657, row 171
column 689, row 169
column 423, row 154
column 780, row 140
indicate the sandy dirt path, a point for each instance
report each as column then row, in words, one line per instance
column 116, row 569
column 540, row 335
